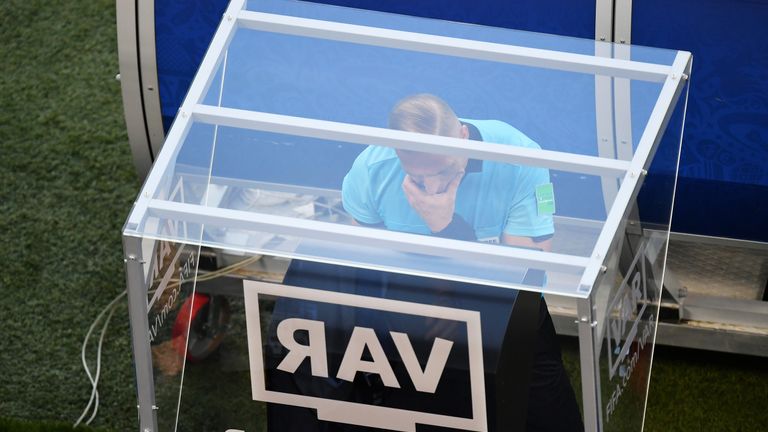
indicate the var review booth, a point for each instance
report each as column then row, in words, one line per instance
column 306, row 256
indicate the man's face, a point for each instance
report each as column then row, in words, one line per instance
column 431, row 172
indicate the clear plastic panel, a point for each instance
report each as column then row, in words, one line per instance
column 287, row 181
column 216, row 393
column 283, row 345
column 628, row 296
column 303, row 9
column 359, row 84
column 184, row 181
column 170, row 273
column 249, row 170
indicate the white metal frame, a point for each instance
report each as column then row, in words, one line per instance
column 337, row 233
column 477, row 50
column 613, row 162
column 654, row 130
column 367, row 135
column 628, row 172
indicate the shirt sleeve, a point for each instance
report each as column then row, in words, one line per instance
column 523, row 218
column 357, row 196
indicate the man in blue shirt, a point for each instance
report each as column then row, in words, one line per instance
column 459, row 198
column 438, row 194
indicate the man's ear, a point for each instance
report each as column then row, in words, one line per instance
column 464, row 131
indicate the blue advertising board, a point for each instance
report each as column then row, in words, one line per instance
column 723, row 179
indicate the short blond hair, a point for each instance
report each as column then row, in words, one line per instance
column 424, row 113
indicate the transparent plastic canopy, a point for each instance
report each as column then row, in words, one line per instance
column 284, row 146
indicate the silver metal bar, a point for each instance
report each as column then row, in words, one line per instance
column 622, row 25
column 724, row 241
column 708, row 336
column 452, row 46
column 137, row 312
column 714, row 337
column 149, row 81
column 630, row 186
column 621, row 117
column 590, row 366
column 604, row 20
column 374, row 238
column 368, row 135
column 195, row 94
column 750, row 313
column 604, row 115
column 622, row 105
column 130, row 86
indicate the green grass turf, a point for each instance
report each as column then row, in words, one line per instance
column 703, row 391
column 66, row 185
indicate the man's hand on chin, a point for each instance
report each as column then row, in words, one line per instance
column 436, row 209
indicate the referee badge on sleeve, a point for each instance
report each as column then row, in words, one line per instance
column 545, row 199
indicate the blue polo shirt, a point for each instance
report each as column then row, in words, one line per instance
column 493, row 197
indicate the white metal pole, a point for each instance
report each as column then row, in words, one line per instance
column 548, row 59
column 653, row 133
column 368, row 135
column 370, row 237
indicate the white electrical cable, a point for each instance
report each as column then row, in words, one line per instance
column 98, row 364
column 94, row 400
column 111, row 308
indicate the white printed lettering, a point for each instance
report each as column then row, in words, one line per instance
column 315, row 348
column 353, row 358
column 426, row 380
